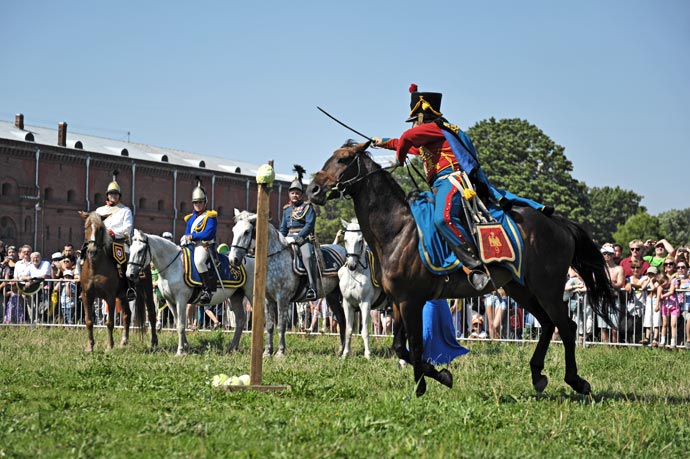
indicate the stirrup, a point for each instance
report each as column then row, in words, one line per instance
column 311, row 294
column 204, row 297
column 131, row 294
column 478, row 279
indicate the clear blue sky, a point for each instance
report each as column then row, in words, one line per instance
column 608, row 80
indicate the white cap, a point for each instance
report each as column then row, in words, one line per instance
column 56, row 256
column 68, row 272
column 167, row 235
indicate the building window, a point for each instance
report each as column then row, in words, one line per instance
column 7, row 189
column 161, row 205
column 220, row 211
column 98, row 200
column 183, row 208
column 48, row 194
column 71, row 194
column 28, row 225
column 142, row 203
column 47, row 233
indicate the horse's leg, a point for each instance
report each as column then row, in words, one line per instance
column 335, row 301
column 146, row 294
column 271, row 311
column 181, row 322
column 349, row 311
column 412, row 318
column 365, row 309
column 126, row 317
column 282, row 326
column 400, row 336
column 536, row 363
column 87, row 299
column 567, row 328
column 240, row 319
column 111, row 301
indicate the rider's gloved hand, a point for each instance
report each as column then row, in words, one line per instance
column 376, row 141
column 299, row 240
column 290, row 239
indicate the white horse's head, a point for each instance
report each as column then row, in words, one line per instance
column 139, row 255
column 243, row 234
column 353, row 240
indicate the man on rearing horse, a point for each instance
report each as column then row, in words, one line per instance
column 446, row 152
column 201, row 231
column 119, row 224
column 297, row 225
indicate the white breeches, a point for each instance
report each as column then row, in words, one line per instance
column 200, row 258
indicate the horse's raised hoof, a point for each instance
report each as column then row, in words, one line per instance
column 445, row 377
column 580, row 386
column 540, row 384
column 421, row 387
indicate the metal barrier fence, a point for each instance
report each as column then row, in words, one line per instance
column 57, row 302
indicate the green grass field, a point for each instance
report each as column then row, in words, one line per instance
column 57, row 401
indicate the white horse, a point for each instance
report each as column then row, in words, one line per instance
column 356, row 285
column 167, row 256
column 283, row 285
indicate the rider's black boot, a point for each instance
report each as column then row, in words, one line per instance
column 477, row 277
column 209, row 287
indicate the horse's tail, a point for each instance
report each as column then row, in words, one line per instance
column 590, row 265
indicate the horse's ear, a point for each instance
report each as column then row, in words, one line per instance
column 252, row 218
column 344, row 223
column 237, row 211
column 83, row 214
column 360, row 147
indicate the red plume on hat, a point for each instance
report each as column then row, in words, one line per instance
column 413, row 87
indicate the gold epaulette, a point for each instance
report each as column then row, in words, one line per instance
column 187, row 217
column 286, row 206
column 212, row 213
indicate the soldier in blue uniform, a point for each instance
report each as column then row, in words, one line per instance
column 299, row 221
column 201, row 232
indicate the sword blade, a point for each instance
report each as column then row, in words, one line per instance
column 343, row 124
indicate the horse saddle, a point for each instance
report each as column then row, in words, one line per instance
column 232, row 277
column 330, row 258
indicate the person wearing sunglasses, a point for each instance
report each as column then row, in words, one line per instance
column 667, row 299
column 636, row 247
column 662, row 249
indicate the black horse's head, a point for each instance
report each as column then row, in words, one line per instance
column 341, row 170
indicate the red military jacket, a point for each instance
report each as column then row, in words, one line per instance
column 428, row 142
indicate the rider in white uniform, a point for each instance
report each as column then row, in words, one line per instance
column 119, row 222
column 201, row 232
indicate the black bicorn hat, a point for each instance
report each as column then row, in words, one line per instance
column 426, row 103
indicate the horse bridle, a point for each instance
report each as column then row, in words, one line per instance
column 147, row 252
column 361, row 254
column 341, row 186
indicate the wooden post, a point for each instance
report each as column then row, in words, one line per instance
column 261, row 254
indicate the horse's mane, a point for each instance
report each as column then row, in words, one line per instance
column 96, row 222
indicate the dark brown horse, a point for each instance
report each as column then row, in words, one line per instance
column 99, row 278
column 551, row 245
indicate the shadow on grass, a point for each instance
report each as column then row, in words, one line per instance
column 595, row 398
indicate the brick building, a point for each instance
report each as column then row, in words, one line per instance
column 46, row 176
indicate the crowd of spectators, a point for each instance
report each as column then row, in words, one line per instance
column 651, row 279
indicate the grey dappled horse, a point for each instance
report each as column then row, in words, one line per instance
column 167, row 257
column 356, row 286
column 283, row 285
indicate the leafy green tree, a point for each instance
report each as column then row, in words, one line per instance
column 519, row 157
column 611, row 207
column 675, row 226
column 640, row 226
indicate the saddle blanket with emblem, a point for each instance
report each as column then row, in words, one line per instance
column 499, row 242
column 232, row 276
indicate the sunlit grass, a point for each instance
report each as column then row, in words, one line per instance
column 57, row 401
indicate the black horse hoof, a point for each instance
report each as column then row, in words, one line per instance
column 445, row 377
column 580, row 386
column 540, row 384
column 421, row 388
